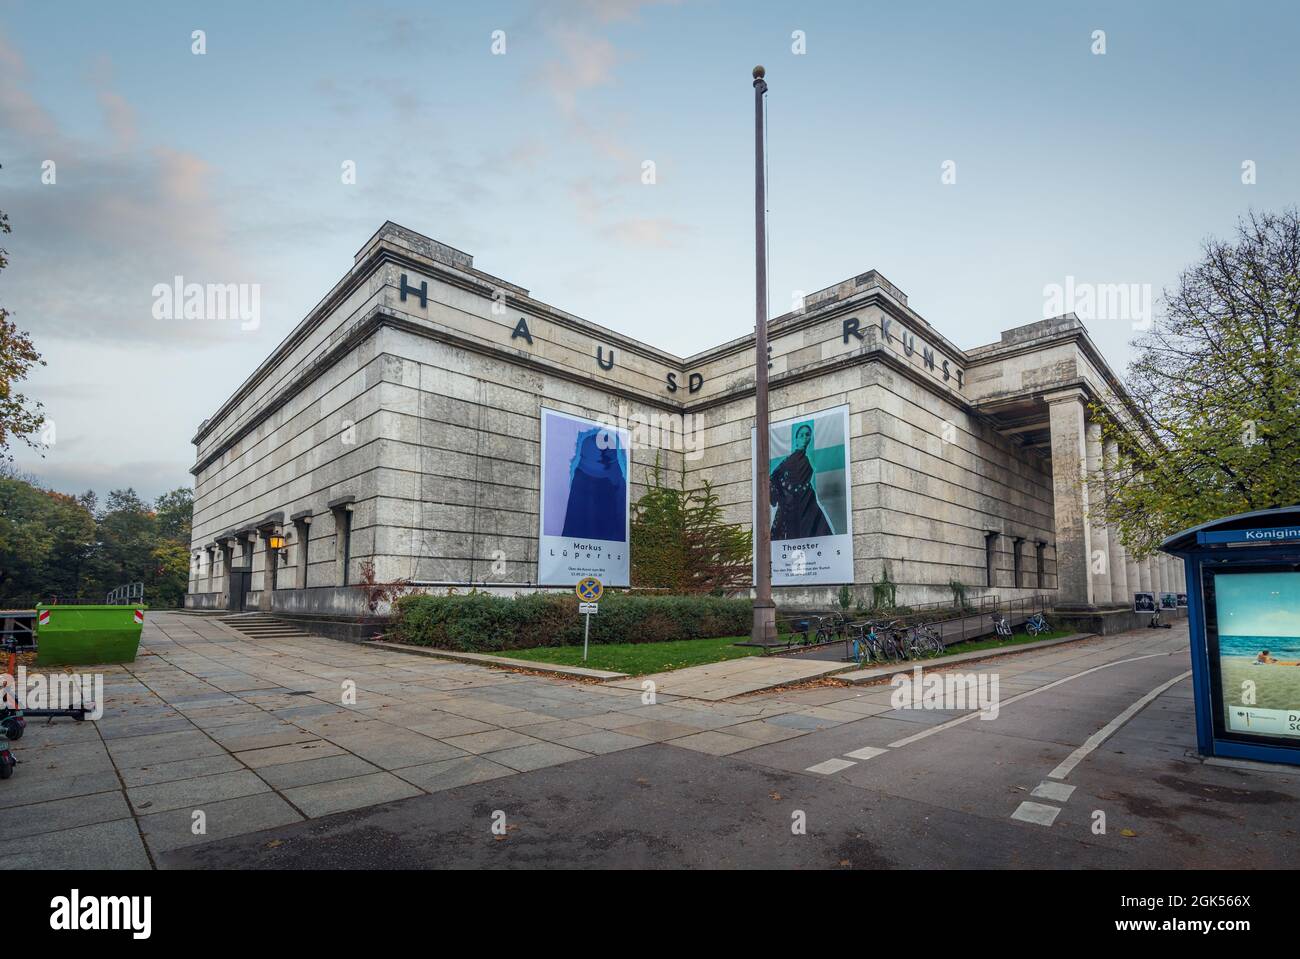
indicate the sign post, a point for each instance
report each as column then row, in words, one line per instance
column 589, row 590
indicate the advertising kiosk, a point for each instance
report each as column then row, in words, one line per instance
column 1243, row 596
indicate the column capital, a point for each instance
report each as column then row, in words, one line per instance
column 1064, row 396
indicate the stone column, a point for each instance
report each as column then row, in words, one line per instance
column 1070, row 498
column 1144, row 575
column 1132, row 581
column 1100, row 566
column 227, row 548
column 1122, row 571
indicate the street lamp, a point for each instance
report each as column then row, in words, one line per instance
column 764, row 630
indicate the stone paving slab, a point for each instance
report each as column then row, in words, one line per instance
column 450, row 773
column 193, row 793
column 173, row 829
column 24, row 790
column 178, row 769
column 339, row 795
column 65, row 813
column 735, row 677
column 527, row 758
column 342, row 766
column 106, row 845
column 293, row 753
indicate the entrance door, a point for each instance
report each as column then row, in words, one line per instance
column 240, row 583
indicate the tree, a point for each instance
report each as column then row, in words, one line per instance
column 53, row 547
column 128, row 534
column 1216, row 383
column 45, row 538
column 680, row 542
column 20, row 418
column 175, row 514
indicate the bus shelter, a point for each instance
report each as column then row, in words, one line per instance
column 1243, row 592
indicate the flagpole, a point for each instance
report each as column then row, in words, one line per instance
column 764, row 631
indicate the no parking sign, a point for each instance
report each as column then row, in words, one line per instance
column 589, row 590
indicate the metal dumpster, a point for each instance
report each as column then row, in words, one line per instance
column 86, row 635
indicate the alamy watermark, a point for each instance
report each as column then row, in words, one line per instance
column 54, row 691
column 947, row 691
column 208, row 301
column 655, row 431
column 1130, row 302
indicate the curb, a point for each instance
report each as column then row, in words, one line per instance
column 484, row 659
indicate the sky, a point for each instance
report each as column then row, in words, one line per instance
column 1258, row 604
column 1064, row 165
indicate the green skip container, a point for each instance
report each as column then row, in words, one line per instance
column 87, row 635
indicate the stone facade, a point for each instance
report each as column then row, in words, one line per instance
column 396, row 432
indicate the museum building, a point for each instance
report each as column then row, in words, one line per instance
column 396, row 434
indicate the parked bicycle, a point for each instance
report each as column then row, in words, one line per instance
column 925, row 640
column 815, row 630
column 1000, row 625
column 832, row 627
column 1037, row 624
column 890, row 642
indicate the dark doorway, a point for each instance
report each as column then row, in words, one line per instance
column 241, row 581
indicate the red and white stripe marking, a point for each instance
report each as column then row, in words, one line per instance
column 43, row 617
column 139, row 615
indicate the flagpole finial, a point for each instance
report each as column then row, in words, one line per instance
column 759, row 72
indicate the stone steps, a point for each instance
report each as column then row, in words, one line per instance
column 262, row 626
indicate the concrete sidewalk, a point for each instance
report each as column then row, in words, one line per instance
column 210, row 736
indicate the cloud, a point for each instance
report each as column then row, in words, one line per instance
column 18, row 109
column 129, row 214
column 586, row 62
column 615, row 11
column 660, row 233
column 150, row 478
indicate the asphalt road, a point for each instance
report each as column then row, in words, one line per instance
column 926, row 793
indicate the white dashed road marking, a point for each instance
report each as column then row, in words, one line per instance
column 1036, row 813
column 830, row 766
column 1057, row 792
column 866, row 752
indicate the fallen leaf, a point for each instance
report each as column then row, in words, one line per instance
column 1128, row 833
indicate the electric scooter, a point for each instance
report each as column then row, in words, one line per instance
column 19, row 636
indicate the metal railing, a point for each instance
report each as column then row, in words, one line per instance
column 128, row 594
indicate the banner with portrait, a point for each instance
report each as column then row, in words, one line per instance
column 584, row 514
column 811, row 517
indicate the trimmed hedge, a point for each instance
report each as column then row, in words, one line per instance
column 482, row 623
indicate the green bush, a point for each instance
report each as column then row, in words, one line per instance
column 483, row 623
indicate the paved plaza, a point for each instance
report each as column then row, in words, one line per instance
column 306, row 752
